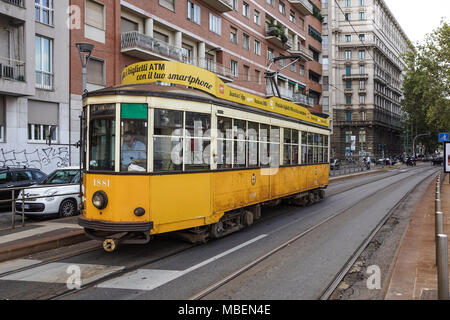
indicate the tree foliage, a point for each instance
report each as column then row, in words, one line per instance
column 426, row 85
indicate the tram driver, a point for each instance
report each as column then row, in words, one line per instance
column 133, row 153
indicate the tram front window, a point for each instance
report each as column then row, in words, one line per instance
column 102, row 137
column 133, row 146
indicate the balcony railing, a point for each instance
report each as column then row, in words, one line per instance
column 134, row 39
column 158, row 48
column 220, row 5
column 302, row 99
column 302, row 51
column 303, row 6
column 44, row 80
column 289, row 95
column 12, row 69
column 19, row 3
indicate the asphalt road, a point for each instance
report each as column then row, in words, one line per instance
column 302, row 270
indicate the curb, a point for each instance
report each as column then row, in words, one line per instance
column 38, row 245
column 353, row 175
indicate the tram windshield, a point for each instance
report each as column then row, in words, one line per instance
column 102, row 136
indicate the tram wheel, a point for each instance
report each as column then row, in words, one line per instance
column 217, row 230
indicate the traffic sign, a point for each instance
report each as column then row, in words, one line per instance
column 444, row 137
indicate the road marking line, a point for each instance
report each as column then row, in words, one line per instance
column 149, row 279
column 57, row 273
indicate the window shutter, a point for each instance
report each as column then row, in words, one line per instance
column 94, row 15
column 40, row 112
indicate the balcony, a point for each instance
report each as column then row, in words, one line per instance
column 143, row 47
column 303, row 6
column 220, row 5
column 273, row 36
column 302, row 52
column 302, row 99
column 146, row 48
column 44, row 80
column 12, row 69
column 355, row 76
column 18, row 3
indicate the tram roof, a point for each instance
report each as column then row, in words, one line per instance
column 182, row 92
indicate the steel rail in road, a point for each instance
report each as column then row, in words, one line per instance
column 324, row 295
column 182, row 249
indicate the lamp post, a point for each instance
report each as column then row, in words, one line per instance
column 414, row 142
column 85, row 50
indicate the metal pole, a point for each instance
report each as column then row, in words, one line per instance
column 13, row 212
column 442, row 266
column 83, row 79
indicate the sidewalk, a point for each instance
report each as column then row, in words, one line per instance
column 39, row 236
column 414, row 276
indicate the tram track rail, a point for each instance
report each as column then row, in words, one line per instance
column 182, row 249
column 341, row 274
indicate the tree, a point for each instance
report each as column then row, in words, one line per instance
column 426, row 86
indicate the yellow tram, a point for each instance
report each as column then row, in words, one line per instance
column 175, row 149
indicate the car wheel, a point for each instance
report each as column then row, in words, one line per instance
column 67, row 208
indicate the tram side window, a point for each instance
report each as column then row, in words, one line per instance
column 290, row 147
column 310, row 148
column 224, row 142
column 239, row 143
column 167, row 140
column 102, row 134
column 197, row 141
column 304, row 148
column 274, row 146
column 133, row 144
column 252, row 146
column 325, row 149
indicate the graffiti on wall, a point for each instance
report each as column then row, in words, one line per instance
column 45, row 158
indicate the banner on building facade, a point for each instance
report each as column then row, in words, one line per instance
column 202, row 79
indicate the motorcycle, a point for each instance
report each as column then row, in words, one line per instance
column 410, row 161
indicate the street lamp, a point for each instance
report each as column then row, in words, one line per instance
column 85, row 50
column 414, row 141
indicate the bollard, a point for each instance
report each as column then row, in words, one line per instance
column 439, row 229
column 438, row 207
column 442, row 266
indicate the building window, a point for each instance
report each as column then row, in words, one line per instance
column 257, row 47
column 270, row 54
column 44, row 63
column 348, row 70
column 361, row 70
column 361, row 2
column 193, row 12
column 348, row 54
column 234, row 4
column 246, row 73
column 348, row 38
column 215, row 24
column 302, row 70
column 95, row 15
column 348, row 116
column 324, row 42
column 362, row 37
column 246, row 41
column 348, row 84
column 348, row 99
column 233, row 35
column 324, row 4
column 362, row 84
column 257, row 17
column 361, row 54
column 2, row 118
column 348, row 3
column 361, row 15
column 362, row 99
column 42, row 121
column 95, row 73
column 325, row 63
column 292, row 16
column 258, row 76
column 169, row 4
column 271, row 2
column 282, row 8
column 44, row 11
column 128, row 25
column 245, row 10
column 348, row 16
column 234, row 68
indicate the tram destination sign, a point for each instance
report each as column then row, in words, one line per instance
column 202, row 79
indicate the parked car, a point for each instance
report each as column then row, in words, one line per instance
column 335, row 164
column 61, row 181
column 438, row 160
column 17, row 177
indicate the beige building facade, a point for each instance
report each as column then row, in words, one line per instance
column 362, row 77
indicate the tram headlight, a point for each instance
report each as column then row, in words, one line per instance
column 100, row 200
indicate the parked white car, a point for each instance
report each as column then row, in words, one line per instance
column 53, row 186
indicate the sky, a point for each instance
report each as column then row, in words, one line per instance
column 419, row 17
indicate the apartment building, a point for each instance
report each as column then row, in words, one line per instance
column 34, row 86
column 235, row 39
column 362, row 77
